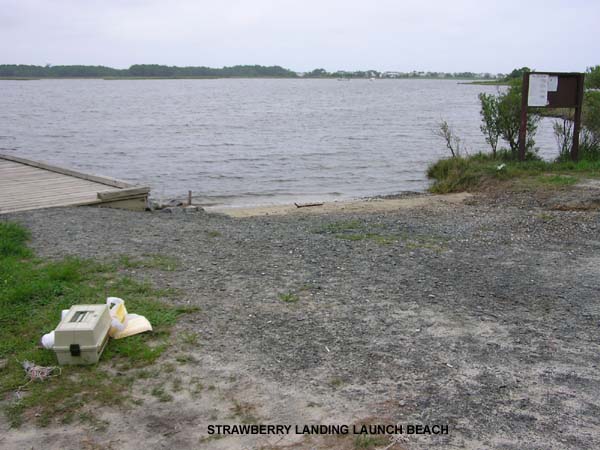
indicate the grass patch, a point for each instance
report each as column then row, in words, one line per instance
column 162, row 395
column 245, row 412
column 557, row 180
column 364, row 441
column 414, row 241
column 379, row 238
column 288, row 297
column 336, row 382
column 340, row 227
column 355, row 230
column 32, row 294
column 474, row 172
column 12, row 240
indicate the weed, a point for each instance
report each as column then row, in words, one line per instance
column 160, row 393
column 557, row 180
column 336, row 382
column 168, row 367
column 380, row 239
column 354, row 230
column 176, row 384
column 366, row 441
column 185, row 359
column 189, row 338
column 545, row 217
column 245, row 412
column 419, row 241
column 288, row 297
column 196, row 386
column 339, row 227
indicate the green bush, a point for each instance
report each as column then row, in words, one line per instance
column 501, row 118
column 471, row 173
column 589, row 136
column 454, row 175
column 592, row 77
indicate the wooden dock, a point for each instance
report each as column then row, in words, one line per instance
column 26, row 185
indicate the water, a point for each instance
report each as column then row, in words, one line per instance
column 245, row 141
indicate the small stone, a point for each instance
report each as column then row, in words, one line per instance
column 3, row 364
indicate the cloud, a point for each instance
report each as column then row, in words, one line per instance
column 380, row 34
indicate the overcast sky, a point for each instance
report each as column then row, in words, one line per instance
column 404, row 35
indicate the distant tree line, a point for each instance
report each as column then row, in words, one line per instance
column 322, row 73
column 246, row 71
column 140, row 70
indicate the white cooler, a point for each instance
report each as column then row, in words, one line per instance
column 81, row 336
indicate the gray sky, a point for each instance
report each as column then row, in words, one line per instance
column 405, row 35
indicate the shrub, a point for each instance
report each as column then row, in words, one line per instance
column 592, row 77
column 501, row 117
column 450, row 138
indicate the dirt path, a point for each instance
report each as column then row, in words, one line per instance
column 482, row 315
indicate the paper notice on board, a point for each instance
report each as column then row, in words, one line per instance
column 552, row 84
column 538, row 90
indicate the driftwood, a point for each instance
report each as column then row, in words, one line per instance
column 307, row 205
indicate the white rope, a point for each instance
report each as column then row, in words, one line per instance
column 35, row 372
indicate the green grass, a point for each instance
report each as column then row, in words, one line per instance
column 355, row 230
column 424, row 242
column 288, row 297
column 557, row 180
column 364, row 441
column 162, row 395
column 480, row 170
column 32, row 294
column 340, row 227
column 379, row 238
column 12, row 240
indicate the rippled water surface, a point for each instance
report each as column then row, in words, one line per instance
column 245, row 141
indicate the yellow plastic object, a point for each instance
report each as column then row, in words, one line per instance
column 135, row 324
column 122, row 323
column 118, row 315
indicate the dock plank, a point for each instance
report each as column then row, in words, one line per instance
column 27, row 185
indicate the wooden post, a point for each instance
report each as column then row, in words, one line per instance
column 577, row 118
column 523, row 125
column 189, row 198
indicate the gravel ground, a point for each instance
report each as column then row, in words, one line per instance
column 482, row 316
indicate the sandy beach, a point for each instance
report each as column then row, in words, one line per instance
column 371, row 205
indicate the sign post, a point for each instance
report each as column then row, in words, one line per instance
column 551, row 90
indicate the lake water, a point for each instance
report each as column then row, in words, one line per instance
column 246, row 141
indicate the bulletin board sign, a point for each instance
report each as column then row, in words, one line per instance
column 552, row 90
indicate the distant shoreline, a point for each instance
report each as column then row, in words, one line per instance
column 459, row 80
